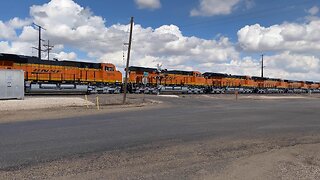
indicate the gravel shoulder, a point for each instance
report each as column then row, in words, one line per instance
column 45, row 102
column 295, row 162
column 59, row 107
column 207, row 159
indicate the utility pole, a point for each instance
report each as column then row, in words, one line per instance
column 127, row 66
column 39, row 41
column 49, row 48
column 262, row 66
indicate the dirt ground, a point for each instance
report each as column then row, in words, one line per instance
column 249, row 159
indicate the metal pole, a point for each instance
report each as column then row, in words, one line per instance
column 127, row 66
column 262, row 66
column 39, row 43
column 48, row 50
column 144, row 94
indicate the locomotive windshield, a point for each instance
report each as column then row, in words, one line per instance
column 109, row 69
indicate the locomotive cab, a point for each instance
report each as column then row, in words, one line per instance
column 110, row 73
column 197, row 74
column 108, row 67
column 198, row 79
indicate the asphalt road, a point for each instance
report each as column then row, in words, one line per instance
column 183, row 119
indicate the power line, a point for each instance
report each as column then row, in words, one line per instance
column 49, row 48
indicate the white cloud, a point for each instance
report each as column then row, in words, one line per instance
column 172, row 48
column 287, row 36
column 215, row 7
column 19, row 23
column 313, row 11
column 16, row 47
column 4, row 46
column 86, row 32
column 6, row 32
column 238, row 66
column 65, row 56
column 295, row 63
column 292, row 44
column 285, row 65
column 29, row 34
column 295, row 48
column 288, row 65
column 148, row 4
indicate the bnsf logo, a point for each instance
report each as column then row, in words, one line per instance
column 45, row 71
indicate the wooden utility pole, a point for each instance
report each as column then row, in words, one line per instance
column 127, row 66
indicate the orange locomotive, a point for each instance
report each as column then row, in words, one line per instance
column 167, row 81
column 43, row 76
column 195, row 82
column 219, row 83
column 165, row 77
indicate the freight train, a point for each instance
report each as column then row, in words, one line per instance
column 194, row 82
column 55, row 77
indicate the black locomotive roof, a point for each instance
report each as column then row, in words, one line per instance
column 210, row 74
column 34, row 60
column 190, row 73
column 309, row 82
column 142, row 69
column 145, row 69
column 259, row 78
column 239, row 76
column 294, row 81
column 266, row 78
column 275, row 79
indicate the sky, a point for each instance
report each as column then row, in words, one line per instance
column 226, row 36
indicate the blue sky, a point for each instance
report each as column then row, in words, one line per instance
column 177, row 12
column 213, row 39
